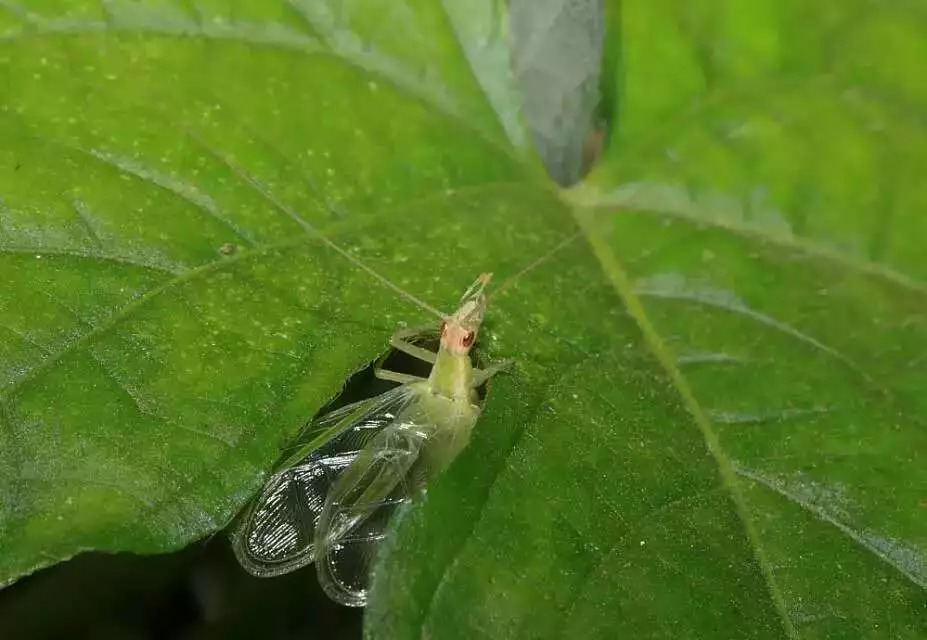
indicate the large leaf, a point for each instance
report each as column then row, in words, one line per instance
column 165, row 325
column 737, row 456
column 743, row 454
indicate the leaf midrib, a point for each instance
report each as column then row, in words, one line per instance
column 797, row 243
column 621, row 282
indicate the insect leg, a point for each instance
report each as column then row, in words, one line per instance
column 393, row 376
column 399, row 341
column 482, row 375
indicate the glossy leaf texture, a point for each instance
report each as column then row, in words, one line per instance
column 743, row 451
column 166, row 327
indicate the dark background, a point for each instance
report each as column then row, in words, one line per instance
column 197, row 594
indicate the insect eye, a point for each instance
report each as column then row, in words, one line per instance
column 468, row 339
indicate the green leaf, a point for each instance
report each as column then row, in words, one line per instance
column 165, row 326
column 715, row 426
column 742, row 454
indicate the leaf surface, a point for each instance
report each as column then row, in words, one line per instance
column 715, row 425
column 743, row 452
column 166, row 326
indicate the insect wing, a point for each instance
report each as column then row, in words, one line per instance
column 359, row 505
column 276, row 533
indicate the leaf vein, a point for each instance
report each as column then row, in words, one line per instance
column 82, row 213
column 918, row 578
column 630, row 204
column 141, row 301
column 756, row 316
column 621, row 282
column 32, row 251
column 25, row 338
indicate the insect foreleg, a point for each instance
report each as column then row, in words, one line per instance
column 482, row 375
column 394, row 376
column 399, row 341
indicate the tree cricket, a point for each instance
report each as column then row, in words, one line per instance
column 378, row 452
column 329, row 500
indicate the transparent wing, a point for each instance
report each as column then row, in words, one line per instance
column 275, row 534
column 358, row 508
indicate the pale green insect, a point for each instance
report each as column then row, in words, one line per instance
column 330, row 499
column 331, row 504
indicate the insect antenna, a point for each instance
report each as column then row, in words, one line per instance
column 312, row 230
column 511, row 280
